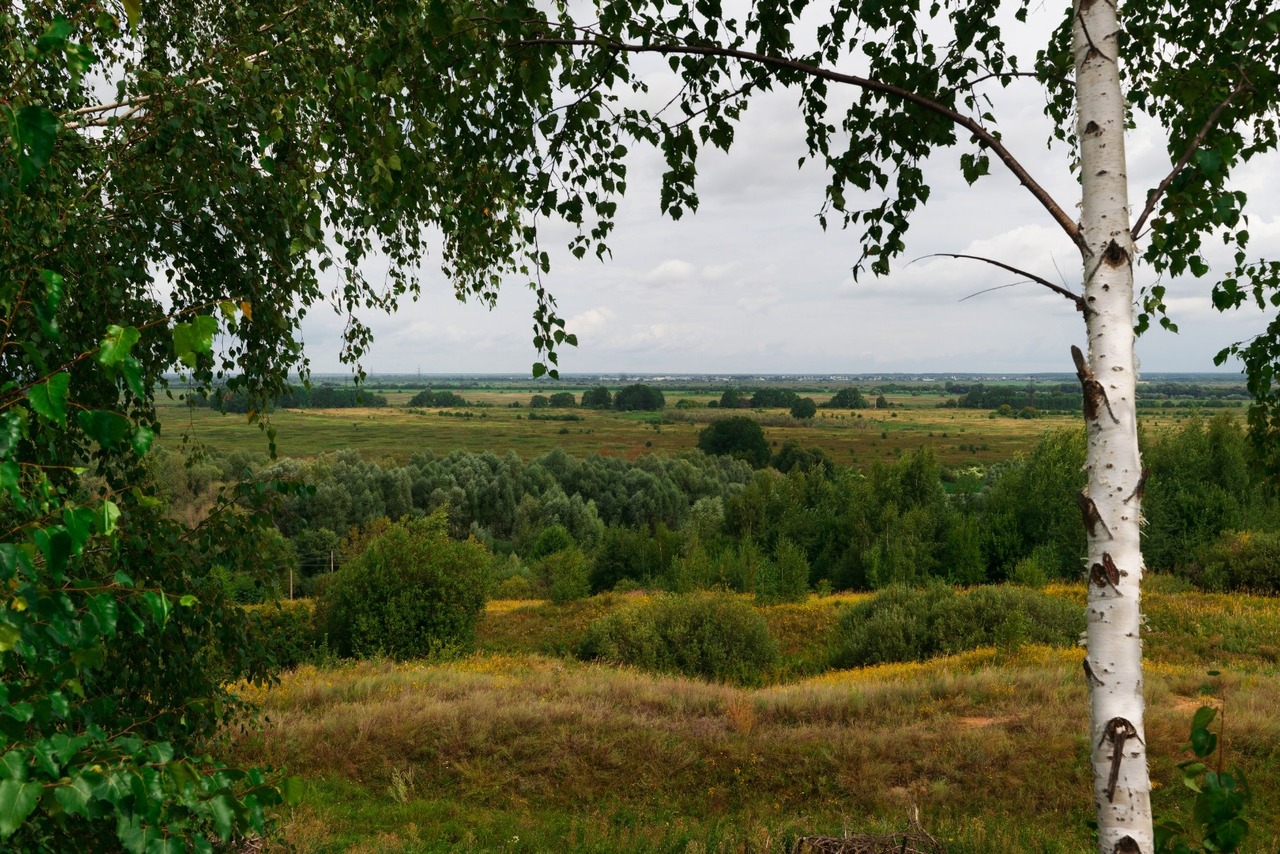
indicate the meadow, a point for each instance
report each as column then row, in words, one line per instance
column 958, row 437
column 519, row 747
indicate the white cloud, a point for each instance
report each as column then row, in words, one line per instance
column 672, row 271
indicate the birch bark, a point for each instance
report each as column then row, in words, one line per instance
column 1111, row 505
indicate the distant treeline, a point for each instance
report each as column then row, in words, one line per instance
column 1067, row 397
column 316, row 397
column 785, row 398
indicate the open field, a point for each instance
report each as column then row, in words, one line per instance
column 518, row 748
column 958, row 437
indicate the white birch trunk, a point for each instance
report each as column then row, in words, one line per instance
column 1111, row 503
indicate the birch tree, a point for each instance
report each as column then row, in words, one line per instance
column 1209, row 77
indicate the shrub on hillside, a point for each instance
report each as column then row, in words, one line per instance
column 1239, row 560
column 286, row 632
column 706, row 635
column 412, row 592
column 565, row 574
column 905, row 624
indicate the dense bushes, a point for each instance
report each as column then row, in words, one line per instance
column 639, row 397
column 412, row 592
column 286, row 632
column 904, row 624
column 738, row 437
column 431, row 398
column 712, row 636
column 1239, row 560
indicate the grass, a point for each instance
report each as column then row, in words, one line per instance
column 959, row 437
column 518, row 749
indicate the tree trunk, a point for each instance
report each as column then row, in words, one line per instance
column 1111, row 504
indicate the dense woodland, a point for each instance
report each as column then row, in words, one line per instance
column 712, row 521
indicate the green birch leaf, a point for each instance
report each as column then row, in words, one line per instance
column 9, row 637
column 79, row 522
column 17, row 801
column 117, row 344
column 9, row 476
column 291, row 790
column 224, row 811
column 104, row 609
column 55, row 35
column 131, row 370
column 74, row 796
column 10, row 431
column 158, row 605
column 105, row 517
column 49, row 398
column 133, row 12
column 13, row 766
column 141, row 439
column 108, row 429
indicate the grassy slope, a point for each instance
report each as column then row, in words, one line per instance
column 514, row 749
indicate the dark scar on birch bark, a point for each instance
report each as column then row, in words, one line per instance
column 1095, row 396
column 1106, row 573
column 1092, row 518
column 1117, row 731
column 1126, row 845
column 1114, row 255
column 1140, row 489
column 1090, row 676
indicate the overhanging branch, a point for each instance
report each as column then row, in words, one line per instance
column 979, row 133
column 1039, row 280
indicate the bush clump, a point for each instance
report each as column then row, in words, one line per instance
column 1239, row 561
column 413, row 592
column 905, row 624
column 286, row 633
column 707, row 635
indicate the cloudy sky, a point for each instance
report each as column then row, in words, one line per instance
column 751, row 283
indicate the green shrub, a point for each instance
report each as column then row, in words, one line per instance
column 286, row 631
column 412, row 592
column 515, row 587
column 904, row 624
column 1239, row 560
column 566, row 574
column 707, row 635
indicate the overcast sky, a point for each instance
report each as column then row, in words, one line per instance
column 751, row 283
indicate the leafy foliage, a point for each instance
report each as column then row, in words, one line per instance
column 412, row 592
column 1221, row 796
column 427, row 397
column 639, row 397
column 1239, row 561
column 902, row 624
column 739, row 437
column 712, row 636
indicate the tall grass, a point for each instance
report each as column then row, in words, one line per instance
column 519, row 751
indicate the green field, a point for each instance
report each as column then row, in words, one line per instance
column 958, row 437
